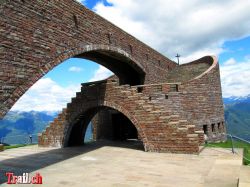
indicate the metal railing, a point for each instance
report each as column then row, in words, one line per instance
column 237, row 138
column 235, row 142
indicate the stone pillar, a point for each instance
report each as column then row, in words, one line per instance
column 102, row 125
column 94, row 122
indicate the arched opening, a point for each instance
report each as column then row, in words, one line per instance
column 107, row 124
column 121, row 65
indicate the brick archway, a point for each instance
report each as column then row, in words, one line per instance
column 82, row 120
column 127, row 69
column 35, row 37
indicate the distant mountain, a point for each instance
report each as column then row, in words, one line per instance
column 233, row 100
column 237, row 116
column 16, row 126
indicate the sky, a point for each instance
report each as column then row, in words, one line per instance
column 193, row 28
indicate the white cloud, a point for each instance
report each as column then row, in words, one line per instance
column 46, row 95
column 192, row 28
column 80, row 1
column 75, row 69
column 101, row 73
column 230, row 61
column 235, row 78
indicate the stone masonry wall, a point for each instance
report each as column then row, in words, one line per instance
column 193, row 94
column 202, row 101
column 103, row 131
column 199, row 100
column 170, row 117
column 159, row 129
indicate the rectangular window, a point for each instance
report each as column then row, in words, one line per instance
column 213, row 127
column 219, row 127
column 205, row 129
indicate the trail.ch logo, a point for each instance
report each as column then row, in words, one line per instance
column 23, row 179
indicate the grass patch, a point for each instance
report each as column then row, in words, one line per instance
column 237, row 144
column 16, row 146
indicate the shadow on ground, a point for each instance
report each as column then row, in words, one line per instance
column 32, row 162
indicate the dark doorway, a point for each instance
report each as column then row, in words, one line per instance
column 205, row 129
column 76, row 137
column 108, row 125
column 123, row 129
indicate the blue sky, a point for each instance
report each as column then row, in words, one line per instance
column 73, row 71
column 237, row 49
column 91, row 3
column 192, row 28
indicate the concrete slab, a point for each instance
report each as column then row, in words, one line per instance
column 244, row 180
column 116, row 164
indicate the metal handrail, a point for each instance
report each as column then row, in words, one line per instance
column 234, row 151
column 236, row 137
column 233, row 147
column 241, row 139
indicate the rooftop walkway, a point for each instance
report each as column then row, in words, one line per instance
column 117, row 164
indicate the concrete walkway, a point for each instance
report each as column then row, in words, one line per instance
column 106, row 164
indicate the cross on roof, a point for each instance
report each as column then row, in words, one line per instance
column 178, row 56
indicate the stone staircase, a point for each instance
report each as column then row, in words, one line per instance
column 173, row 104
column 53, row 133
column 150, row 110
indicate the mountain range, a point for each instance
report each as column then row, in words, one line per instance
column 237, row 116
column 234, row 100
column 16, row 126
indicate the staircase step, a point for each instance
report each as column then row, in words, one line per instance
column 199, row 132
column 192, row 135
column 191, row 126
column 182, row 129
column 164, row 117
column 173, row 122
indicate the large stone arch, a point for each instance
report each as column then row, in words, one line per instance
column 126, row 65
column 88, row 113
column 38, row 35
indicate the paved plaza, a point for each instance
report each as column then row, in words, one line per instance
column 118, row 164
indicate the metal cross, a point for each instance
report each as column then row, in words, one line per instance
column 178, row 56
